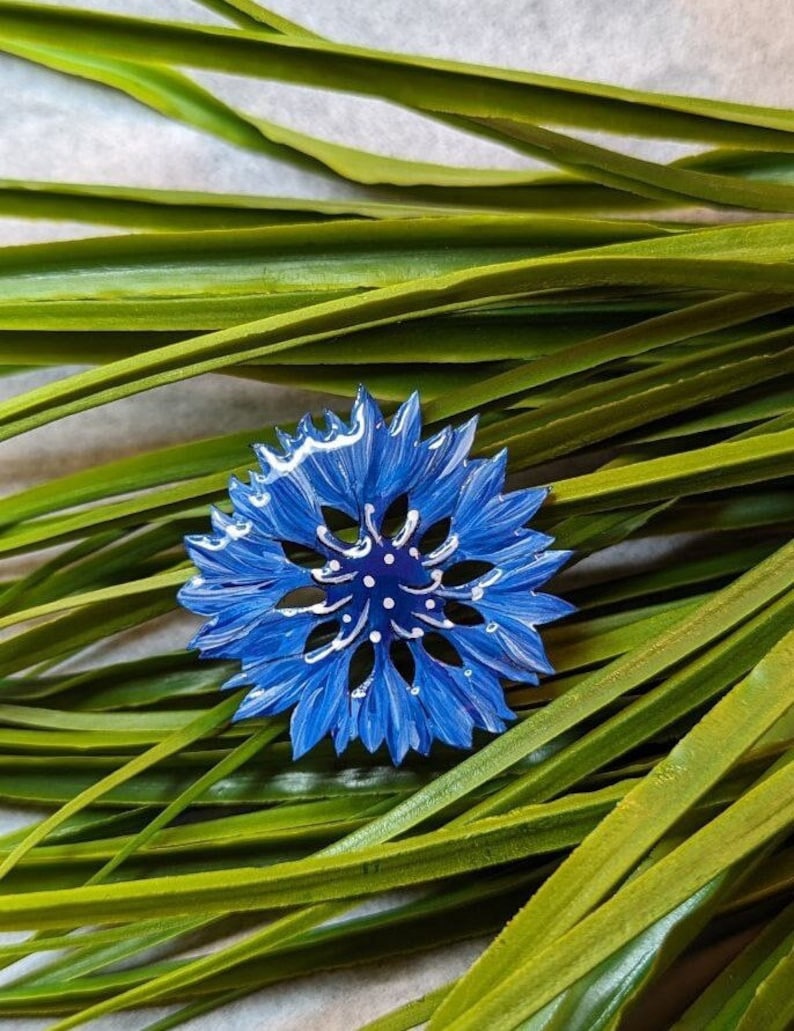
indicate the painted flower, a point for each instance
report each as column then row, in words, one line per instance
column 380, row 584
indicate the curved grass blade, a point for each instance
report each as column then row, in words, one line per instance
column 756, row 818
column 643, row 263
column 675, row 784
column 728, row 608
column 426, row 83
column 204, row 724
column 170, row 210
column 646, row 178
column 174, row 95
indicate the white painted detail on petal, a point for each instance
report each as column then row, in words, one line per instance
column 409, row 635
column 443, row 552
column 405, row 534
column 440, row 624
column 280, row 466
column 369, row 512
column 491, row 578
column 361, row 623
column 359, row 550
column 323, row 578
column 435, row 580
column 213, row 545
column 323, row 608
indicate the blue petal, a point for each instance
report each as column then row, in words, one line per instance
column 475, row 690
column 447, row 718
column 277, row 684
column 399, row 460
column 479, row 648
column 322, row 706
column 445, row 468
column 281, row 501
column 263, row 635
column 489, row 525
column 390, row 712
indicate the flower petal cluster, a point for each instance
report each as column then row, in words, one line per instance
column 381, row 585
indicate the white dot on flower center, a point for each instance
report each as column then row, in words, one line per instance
column 369, row 581
column 347, row 618
column 388, row 559
column 375, row 636
column 413, row 552
column 430, row 604
column 333, row 564
column 388, row 603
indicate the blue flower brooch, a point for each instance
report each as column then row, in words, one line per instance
column 381, row 584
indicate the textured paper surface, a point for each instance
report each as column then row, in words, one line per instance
column 56, row 129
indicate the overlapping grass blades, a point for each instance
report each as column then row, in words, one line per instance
column 638, row 809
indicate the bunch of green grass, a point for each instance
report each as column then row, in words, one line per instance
column 638, row 811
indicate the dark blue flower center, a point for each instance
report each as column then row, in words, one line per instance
column 379, row 589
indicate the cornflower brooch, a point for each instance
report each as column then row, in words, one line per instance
column 381, row 584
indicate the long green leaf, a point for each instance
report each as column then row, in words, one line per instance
column 696, row 763
column 756, row 818
column 642, row 263
column 198, row 728
column 436, row 85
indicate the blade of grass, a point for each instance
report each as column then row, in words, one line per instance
column 412, row 300
column 675, row 784
column 427, row 83
column 728, row 608
column 756, row 818
column 204, row 724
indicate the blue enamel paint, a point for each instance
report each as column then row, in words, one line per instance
column 390, row 584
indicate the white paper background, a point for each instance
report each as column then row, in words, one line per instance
column 56, row 129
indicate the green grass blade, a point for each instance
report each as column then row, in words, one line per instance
column 643, row 263
column 646, row 178
column 430, row 84
column 756, row 818
column 721, row 1004
column 201, row 726
column 729, row 464
column 623, row 343
column 694, row 765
